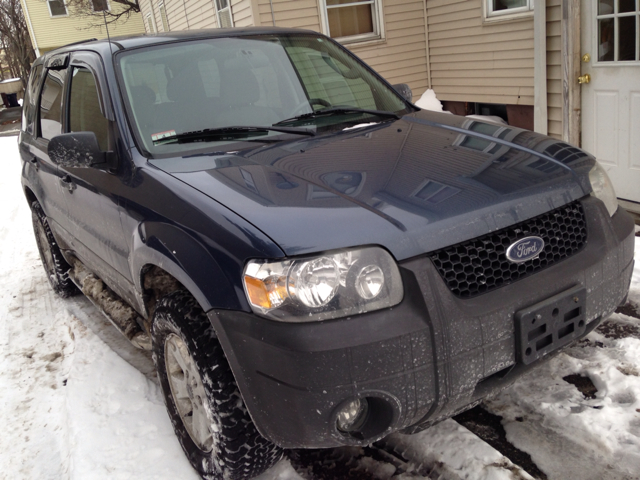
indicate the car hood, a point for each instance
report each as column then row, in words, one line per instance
column 413, row 185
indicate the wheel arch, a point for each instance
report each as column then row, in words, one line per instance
column 165, row 258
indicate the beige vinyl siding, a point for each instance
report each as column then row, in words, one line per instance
column 554, row 68
column 145, row 9
column 241, row 11
column 476, row 62
column 201, row 14
column 176, row 15
column 53, row 32
column 402, row 56
column 291, row 13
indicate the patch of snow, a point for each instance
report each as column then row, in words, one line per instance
column 456, row 453
column 489, row 118
column 360, row 125
column 429, row 101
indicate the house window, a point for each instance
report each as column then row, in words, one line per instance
column 100, row 5
column 353, row 20
column 150, row 26
column 163, row 17
column 497, row 8
column 57, row 8
column 223, row 10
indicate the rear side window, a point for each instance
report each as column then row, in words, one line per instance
column 84, row 107
column 51, row 104
column 30, row 101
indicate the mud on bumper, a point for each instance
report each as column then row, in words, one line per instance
column 428, row 358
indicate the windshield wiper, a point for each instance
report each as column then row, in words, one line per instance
column 338, row 110
column 228, row 133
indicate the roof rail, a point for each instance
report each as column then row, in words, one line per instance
column 76, row 43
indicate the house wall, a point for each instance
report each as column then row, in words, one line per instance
column 402, row 56
column 554, row 68
column 53, row 32
column 472, row 61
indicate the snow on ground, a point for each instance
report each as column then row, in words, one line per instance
column 78, row 402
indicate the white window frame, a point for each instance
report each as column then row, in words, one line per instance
column 520, row 13
column 58, row 16
column 165, row 18
column 152, row 27
column 378, row 22
column 228, row 8
column 108, row 6
column 595, row 43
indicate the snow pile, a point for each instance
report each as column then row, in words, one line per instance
column 456, row 453
column 428, row 101
column 600, row 437
column 70, row 406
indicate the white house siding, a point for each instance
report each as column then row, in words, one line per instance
column 472, row 61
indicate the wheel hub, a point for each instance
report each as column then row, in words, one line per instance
column 188, row 392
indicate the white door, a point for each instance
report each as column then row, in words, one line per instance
column 611, row 101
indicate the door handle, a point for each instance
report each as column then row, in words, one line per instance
column 586, row 78
column 67, row 183
column 34, row 161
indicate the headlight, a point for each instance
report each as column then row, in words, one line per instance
column 602, row 188
column 325, row 286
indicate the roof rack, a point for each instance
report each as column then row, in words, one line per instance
column 76, row 43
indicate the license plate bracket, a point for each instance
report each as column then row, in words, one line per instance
column 550, row 324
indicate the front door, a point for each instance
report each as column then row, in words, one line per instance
column 610, row 34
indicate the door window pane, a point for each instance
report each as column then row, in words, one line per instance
column 30, row 100
column 84, row 107
column 626, row 6
column 627, row 39
column 606, row 40
column 51, row 104
column 605, row 7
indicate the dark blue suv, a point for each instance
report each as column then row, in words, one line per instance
column 313, row 260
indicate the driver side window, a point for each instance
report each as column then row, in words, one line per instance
column 84, row 107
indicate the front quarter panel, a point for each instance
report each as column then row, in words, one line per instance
column 194, row 238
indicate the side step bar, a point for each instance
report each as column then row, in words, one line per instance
column 117, row 311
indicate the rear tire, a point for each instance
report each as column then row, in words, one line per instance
column 55, row 266
column 201, row 395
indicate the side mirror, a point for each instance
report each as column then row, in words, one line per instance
column 77, row 149
column 404, row 91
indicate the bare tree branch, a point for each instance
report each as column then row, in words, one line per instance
column 15, row 40
column 95, row 11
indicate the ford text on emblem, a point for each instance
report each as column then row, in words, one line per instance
column 525, row 249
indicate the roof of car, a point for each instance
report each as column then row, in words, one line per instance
column 132, row 41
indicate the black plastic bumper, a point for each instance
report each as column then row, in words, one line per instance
column 426, row 359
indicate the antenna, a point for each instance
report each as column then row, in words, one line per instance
column 106, row 26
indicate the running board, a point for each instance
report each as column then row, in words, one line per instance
column 118, row 312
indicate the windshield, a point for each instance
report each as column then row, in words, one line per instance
column 261, row 80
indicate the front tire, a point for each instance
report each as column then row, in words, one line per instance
column 201, row 395
column 55, row 266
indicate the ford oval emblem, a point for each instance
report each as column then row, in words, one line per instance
column 525, row 249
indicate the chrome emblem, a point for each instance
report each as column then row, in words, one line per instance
column 525, row 249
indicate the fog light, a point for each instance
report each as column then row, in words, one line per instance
column 353, row 415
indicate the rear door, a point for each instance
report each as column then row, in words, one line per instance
column 43, row 123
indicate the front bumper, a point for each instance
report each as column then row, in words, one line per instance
column 426, row 359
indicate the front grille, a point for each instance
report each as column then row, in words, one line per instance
column 480, row 265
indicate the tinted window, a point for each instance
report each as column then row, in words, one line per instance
column 51, row 104
column 31, row 97
column 84, row 107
